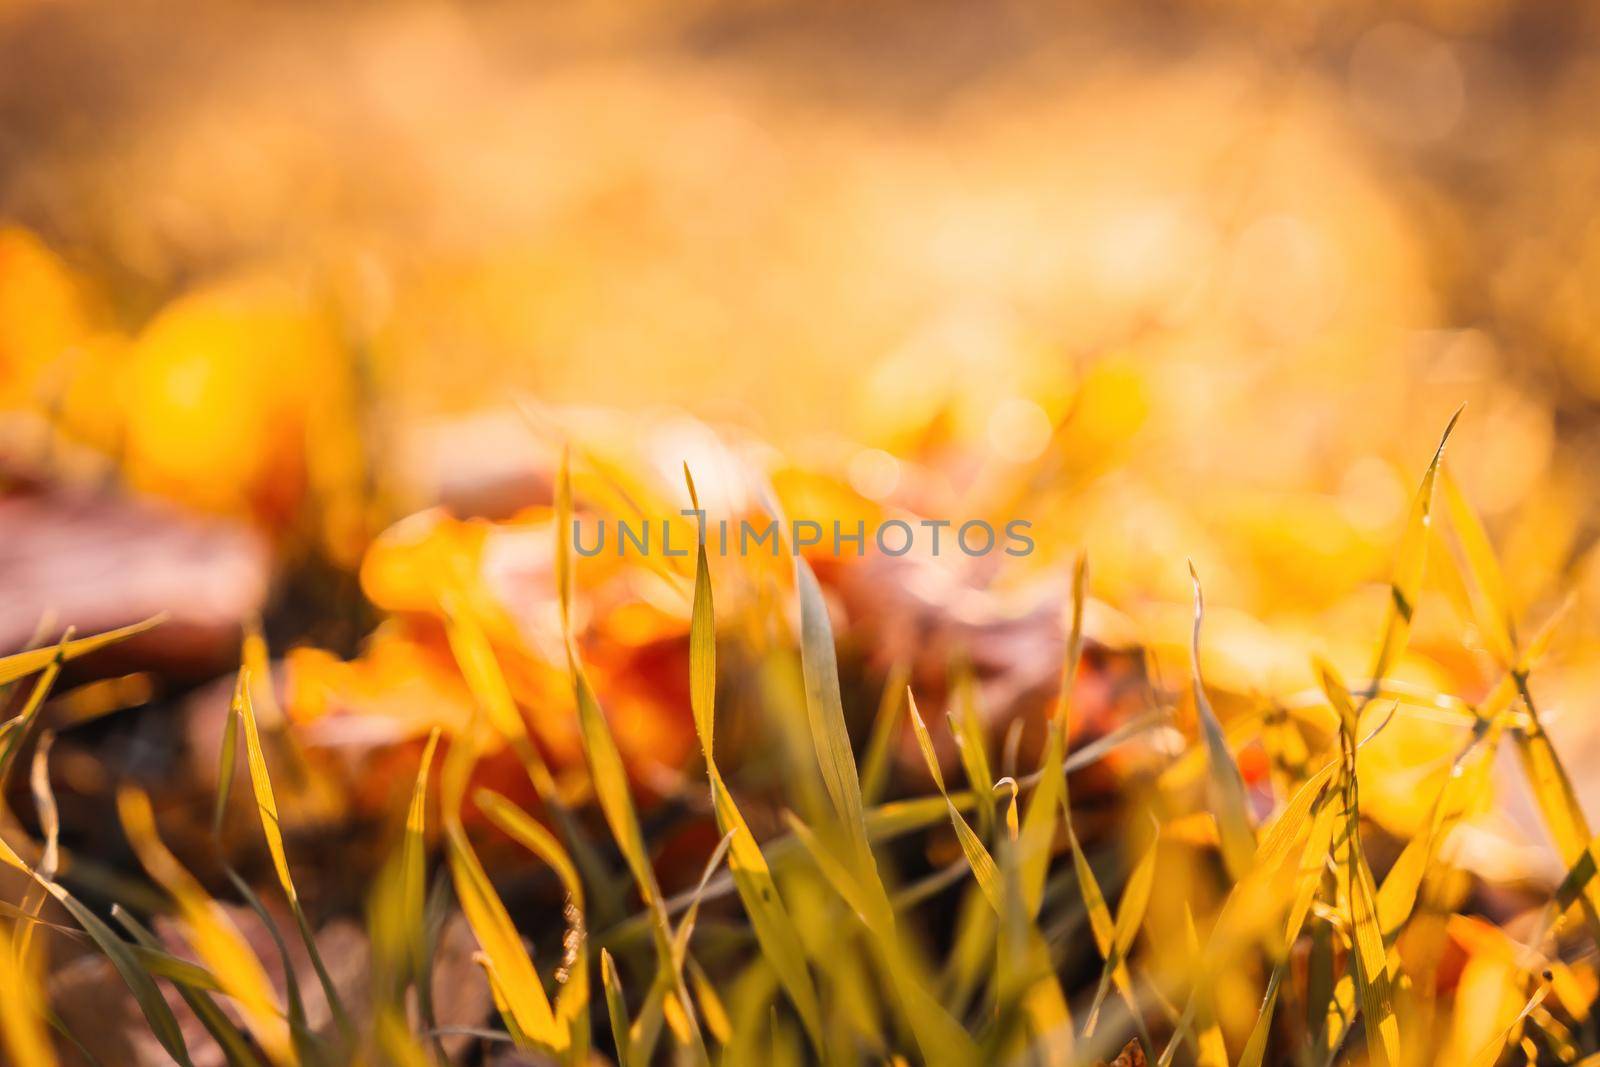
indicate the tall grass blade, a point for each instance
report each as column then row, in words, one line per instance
column 1410, row 565
column 572, row 1001
column 1227, row 792
column 212, row 934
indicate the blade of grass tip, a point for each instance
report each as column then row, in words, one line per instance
column 702, row 641
column 1291, row 822
column 983, row 865
column 1410, row 564
column 22, row 1025
column 413, row 853
column 21, row 664
column 825, row 711
column 145, row 992
column 885, row 728
column 236, row 1048
column 244, row 714
column 1231, row 805
column 966, row 729
column 616, row 1008
column 212, row 934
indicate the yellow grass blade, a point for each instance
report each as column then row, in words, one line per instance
column 609, row 778
column 983, row 865
column 22, row 1029
column 1227, row 792
column 126, row 963
column 702, row 643
column 1358, row 899
column 712, row 1010
column 195, row 985
column 526, row 1002
column 1287, row 827
column 1036, row 838
column 942, row 1040
column 1495, row 1047
column 1410, row 565
column 20, row 727
column 261, row 785
column 966, row 728
column 1130, row 917
column 572, row 1002
column 1486, row 584
column 825, row 712
column 617, row 1008
column 22, row 664
column 769, row 919
column 209, row 930
column 44, row 802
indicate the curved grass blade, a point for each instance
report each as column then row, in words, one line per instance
column 243, row 713
column 1410, row 565
column 133, row 973
column 1369, row 959
column 608, row 776
column 1130, row 917
column 983, row 865
column 769, row 919
column 966, row 729
column 212, row 934
column 572, row 1002
column 1228, row 798
column 825, row 712
column 236, row 1049
column 941, row 1039
column 527, row 1005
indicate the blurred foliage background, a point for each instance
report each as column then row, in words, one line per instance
column 1171, row 280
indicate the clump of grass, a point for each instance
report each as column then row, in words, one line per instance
column 836, row 967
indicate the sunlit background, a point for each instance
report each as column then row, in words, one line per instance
column 1173, row 281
